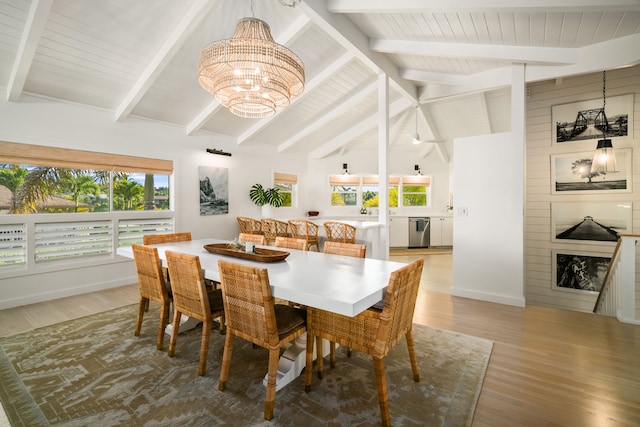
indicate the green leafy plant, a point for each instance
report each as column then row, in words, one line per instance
column 266, row 196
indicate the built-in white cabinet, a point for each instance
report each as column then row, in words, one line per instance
column 398, row 232
column 441, row 231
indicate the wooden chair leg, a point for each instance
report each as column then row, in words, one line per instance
column 332, row 354
column 146, row 305
column 270, row 400
column 412, row 355
column 226, row 361
column 204, row 346
column 309, row 364
column 164, row 319
column 141, row 308
column 223, row 325
column 319, row 357
column 174, row 332
column 383, row 398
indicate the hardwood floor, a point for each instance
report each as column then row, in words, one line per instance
column 549, row 367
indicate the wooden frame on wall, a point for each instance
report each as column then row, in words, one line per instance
column 570, row 174
column 590, row 222
column 581, row 272
column 576, row 121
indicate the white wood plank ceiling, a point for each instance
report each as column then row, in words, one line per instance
column 453, row 58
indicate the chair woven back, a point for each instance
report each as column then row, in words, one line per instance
column 152, row 285
column 248, row 303
column 187, row 285
column 191, row 298
column 291, row 243
column 340, row 232
column 157, row 239
column 273, row 228
column 150, row 278
column 249, row 225
column 251, row 315
column 345, row 249
column 372, row 332
column 399, row 304
column 258, row 239
column 303, row 229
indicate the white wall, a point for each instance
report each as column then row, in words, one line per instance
column 488, row 257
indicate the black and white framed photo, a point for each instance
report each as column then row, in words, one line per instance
column 571, row 174
column 579, row 272
column 584, row 120
column 214, row 190
column 590, row 222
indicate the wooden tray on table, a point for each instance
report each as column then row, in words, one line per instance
column 259, row 254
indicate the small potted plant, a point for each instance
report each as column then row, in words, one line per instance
column 266, row 197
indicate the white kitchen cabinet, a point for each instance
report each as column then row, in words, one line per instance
column 441, row 231
column 398, row 232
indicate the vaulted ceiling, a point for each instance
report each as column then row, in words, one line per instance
column 452, row 59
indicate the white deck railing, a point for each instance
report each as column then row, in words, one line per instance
column 618, row 296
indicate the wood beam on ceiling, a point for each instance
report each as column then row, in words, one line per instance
column 486, row 52
column 346, row 33
column 360, row 128
column 184, row 28
column 36, row 20
column 346, row 105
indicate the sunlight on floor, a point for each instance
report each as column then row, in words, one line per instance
column 437, row 271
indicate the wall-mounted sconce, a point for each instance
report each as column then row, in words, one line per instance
column 345, row 168
column 417, row 169
column 218, row 152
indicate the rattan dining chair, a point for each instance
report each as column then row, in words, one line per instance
column 307, row 230
column 258, row 239
column 344, row 249
column 291, row 243
column 153, row 287
column 249, row 225
column 372, row 332
column 157, row 239
column 252, row 315
column 340, row 232
column 273, row 228
column 191, row 298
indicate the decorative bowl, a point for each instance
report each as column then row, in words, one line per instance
column 313, row 213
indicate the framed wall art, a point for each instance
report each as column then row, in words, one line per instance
column 214, row 190
column 590, row 222
column 579, row 272
column 571, row 174
column 584, row 120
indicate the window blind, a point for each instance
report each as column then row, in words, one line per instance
column 344, row 180
column 285, row 178
column 39, row 155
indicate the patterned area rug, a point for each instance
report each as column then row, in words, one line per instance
column 93, row 371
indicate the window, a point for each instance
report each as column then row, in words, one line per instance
column 36, row 179
column 415, row 190
column 100, row 192
column 370, row 189
column 344, row 190
column 287, row 184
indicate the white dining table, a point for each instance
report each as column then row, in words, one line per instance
column 341, row 284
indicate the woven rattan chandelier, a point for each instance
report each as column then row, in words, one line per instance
column 249, row 73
